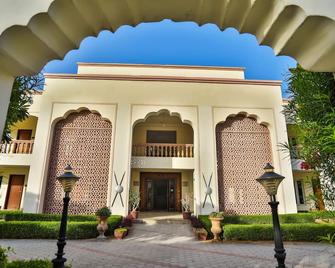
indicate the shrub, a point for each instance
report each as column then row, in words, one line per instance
column 103, row 212
column 126, row 222
column 30, row 264
column 216, row 215
column 50, row 229
column 196, row 223
column 291, row 232
column 3, row 213
column 46, row 217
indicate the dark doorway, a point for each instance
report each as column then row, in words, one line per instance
column 160, row 191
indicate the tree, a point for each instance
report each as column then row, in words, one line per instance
column 20, row 100
column 312, row 107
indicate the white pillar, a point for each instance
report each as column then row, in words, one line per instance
column 286, row 194
column 207, row 161
column 34, row 196
column 121, row 160
column 6, row 84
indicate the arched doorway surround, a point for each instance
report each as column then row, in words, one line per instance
column 243, row 146
column 82, row 139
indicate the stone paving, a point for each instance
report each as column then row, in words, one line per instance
column 172, row 244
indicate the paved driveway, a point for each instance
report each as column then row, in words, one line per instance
column 172, row 245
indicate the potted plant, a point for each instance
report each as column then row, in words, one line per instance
column 120, row 233
column 134, row 202
column 102, row 215
column 216, row 218
column 186, row 207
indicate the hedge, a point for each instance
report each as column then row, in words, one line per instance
column 291, row 232
column 308, row 217
column 3, row 213
column 50, row 229
column 31, row 264
column 46, row 217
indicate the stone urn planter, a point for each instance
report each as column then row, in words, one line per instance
column 102, row 215
column 120, row 233
column 216, row 219
column 102, row 227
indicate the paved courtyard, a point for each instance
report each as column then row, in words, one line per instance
column 172, row 244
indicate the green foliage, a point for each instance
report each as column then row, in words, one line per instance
column 312, row 107
column 49, row 229
column 3, row 256
column 30, row 264
column 20, row 100
column 121, row 230
column 45, row 217
column 134, row 200
column 259, row 220
column 103, row 212
column 291, row 232
column 3, row 213
column 216, row 214
column 329, row 238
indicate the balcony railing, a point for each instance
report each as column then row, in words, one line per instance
column 17, row 147
column 163, row 150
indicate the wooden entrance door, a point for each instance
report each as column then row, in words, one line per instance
column 24, row 134
column 14, row 192
column 160, row 191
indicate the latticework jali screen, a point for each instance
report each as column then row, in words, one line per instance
column 243, row 149
column 82, row 140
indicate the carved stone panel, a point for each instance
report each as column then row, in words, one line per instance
column 243, row 149
column 82, row 140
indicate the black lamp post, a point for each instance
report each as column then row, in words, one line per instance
column 270, row 181
column 67, row 180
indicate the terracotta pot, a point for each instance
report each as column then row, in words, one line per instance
column 134, row 214
column 216, row 228
column 119, row 235
column 186, row 215
column 102, row 226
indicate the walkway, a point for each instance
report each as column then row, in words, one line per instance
column 172, row 244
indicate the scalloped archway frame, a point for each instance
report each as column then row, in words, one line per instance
column 31, row 35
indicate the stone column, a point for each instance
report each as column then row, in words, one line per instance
column 121, row 160
column 207, row 162
column 34, row 197
column 6, row 84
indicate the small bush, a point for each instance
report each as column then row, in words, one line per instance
column 50, row 229
column 30, row 264
column 103, row 212
column 196, row 223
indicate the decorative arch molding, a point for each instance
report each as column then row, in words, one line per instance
column 80, row 109
column 162, row 111
column 248, row 115
column 304, row 30
column 187, row 114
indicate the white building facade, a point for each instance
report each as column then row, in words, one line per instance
column 164, row 131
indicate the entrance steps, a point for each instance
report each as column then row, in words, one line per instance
column 161, row 218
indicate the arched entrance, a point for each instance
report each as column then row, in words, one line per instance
column 242, row 142
column 161, row 142
column 82, row 140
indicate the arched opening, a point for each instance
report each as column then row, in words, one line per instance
column 161, row 142
column 242, row 147
column 83, row 140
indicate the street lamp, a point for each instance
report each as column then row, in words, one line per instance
column 67, row 180
column 270, row 181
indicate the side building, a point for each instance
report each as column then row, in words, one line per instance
column 164, row 131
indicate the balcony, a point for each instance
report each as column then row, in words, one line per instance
column 16, row 152
column 163, row 150
column 163, row 155
column 17, row 147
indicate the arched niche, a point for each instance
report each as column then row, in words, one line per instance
column 243, row 147
column 82, row 139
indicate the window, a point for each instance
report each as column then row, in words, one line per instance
column 158, row 136
column 299, row 192
column 24, row 134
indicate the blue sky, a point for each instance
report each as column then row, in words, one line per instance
column 183, row 43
